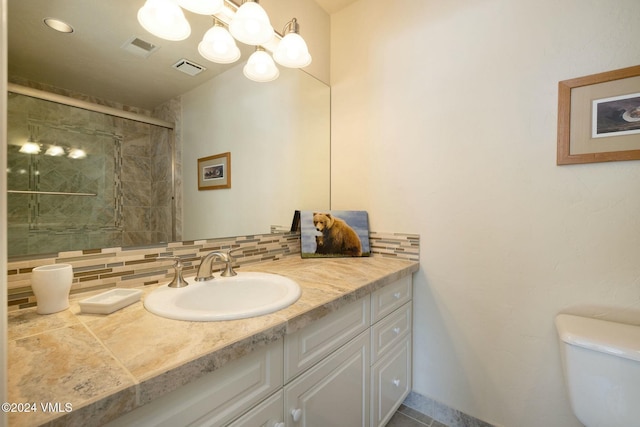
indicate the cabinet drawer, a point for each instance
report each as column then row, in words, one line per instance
column 216, row 398
column 387, row 299
column 266, row 414
column 390, row 382
column 311, row 344
column 388, row 332
column 335, row 392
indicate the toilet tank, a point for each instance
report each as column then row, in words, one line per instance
column 601, row 365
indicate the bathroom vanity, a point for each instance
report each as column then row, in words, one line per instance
column 342, row 369
column 340, row 355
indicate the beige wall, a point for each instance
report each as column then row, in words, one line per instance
column 278, row 136
column 444, row 124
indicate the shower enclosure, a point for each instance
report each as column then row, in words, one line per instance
column 80, row 179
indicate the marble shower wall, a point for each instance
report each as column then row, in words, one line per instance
column 167, row 148
column 131, row 174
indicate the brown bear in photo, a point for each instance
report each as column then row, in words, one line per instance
column 320, row 249
column 337, row 237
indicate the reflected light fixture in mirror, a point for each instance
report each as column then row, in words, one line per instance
column 77, row 153
column 260, row 67
column 30, row 148
column 54, row 151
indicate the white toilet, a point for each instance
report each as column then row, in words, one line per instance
column 601, row 364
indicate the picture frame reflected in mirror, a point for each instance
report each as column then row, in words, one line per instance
column 214, row 172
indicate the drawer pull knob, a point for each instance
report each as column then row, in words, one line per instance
column 396, row 295
column 396, row 382
column 296, row 414
column 396, row 330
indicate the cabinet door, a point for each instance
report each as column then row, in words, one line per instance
column 266, row 414
column 335, row 392
column 390, row 382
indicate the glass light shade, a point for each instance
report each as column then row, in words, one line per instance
column 164, row 19
column 30, row 148
column 292, row 52
column 217, row 45
column 260, row 67
column 251, row 25
column 202, row 7
column 77, row 153
column 54, row 150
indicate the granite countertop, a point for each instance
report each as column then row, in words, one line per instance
column 71, row 368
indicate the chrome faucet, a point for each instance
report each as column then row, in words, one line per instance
column 206, row 266
column 178, row 281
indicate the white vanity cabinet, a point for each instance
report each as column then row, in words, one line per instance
column 351, row 367
column 391, row 332
column 335, row 392
column 216, row 398
column 329, row 360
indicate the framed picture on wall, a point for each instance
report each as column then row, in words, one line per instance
column 214, row 172
column 599, row 117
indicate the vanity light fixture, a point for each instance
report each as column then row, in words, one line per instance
column 247, row 23
column 251, row 25
column 217, row 45
column 292, row 51
column 260, row 67
column 165, row 19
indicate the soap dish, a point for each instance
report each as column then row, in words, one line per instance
column 110, row 301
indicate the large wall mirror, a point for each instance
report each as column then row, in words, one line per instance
column 277, row 134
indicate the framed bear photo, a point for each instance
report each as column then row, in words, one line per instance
column 334, row 234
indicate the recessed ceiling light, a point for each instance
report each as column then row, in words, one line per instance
column 58, row 25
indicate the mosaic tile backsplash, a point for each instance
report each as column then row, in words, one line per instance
column 103, row 269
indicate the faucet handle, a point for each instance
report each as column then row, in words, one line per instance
column 228, row 270
column 178, row 281
column 230, row 251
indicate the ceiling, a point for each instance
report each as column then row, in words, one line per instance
column 332, row 6
column 92, row 60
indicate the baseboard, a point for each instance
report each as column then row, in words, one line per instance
column 441, row 412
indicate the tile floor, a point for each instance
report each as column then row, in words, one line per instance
column 407, row 417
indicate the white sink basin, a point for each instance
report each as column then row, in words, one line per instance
column 248, row 294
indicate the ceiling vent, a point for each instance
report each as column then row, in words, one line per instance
column 188, row 67
column 139, row 47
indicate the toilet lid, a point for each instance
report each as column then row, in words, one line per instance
column 617, row 339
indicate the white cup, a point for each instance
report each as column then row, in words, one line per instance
column 51, row 285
